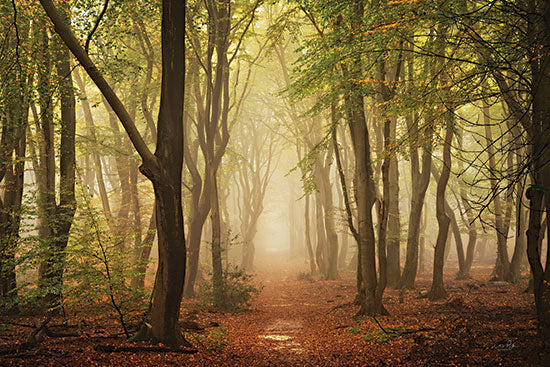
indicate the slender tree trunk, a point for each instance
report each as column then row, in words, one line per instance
column 437, row 290
column 502, row 266
column 197, row 220
column 322, row 174
column 320, row 249
column 217, row 272
column 420, row 181
column 419, row 185
column 456, row 233
column 394, row 223
column 422, row 242
column 95, row 155
column 521, row 226
column 143, row 253
column 468, row 215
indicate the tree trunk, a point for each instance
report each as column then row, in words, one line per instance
column 419, row 181
column 502, row 267
column 95, row 155
column 394, row 223
column 14, row 118
column 59, row 218
column 13, row 144
column 419, row 184
column 456, row 233
column 143, row 253
column 521, row 224
column 322, row 175
column 437, row 290
column 320, row 249
column 365, row 191
column 217, row 272
column 308, row 237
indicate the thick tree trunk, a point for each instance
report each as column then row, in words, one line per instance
column 365, row 190
column 539, row 137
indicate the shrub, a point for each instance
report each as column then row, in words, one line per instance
column 238, row 290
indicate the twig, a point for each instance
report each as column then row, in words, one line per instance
column 380, row 325
column 341, row 327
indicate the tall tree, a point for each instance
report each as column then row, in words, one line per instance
column 14, row 98
column 163, row 168
column 56, row 218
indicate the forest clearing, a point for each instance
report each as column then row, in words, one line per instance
column 294, row 182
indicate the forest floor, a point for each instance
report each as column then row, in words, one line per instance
column 299, row 320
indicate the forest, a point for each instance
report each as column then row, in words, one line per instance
column 274, row 183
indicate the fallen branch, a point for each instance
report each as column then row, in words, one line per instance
column 57, row 334
column 115, row 349
column 342, row 327
column 402, row 332
column 36, row 336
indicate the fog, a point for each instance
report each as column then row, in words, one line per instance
column 281, row 165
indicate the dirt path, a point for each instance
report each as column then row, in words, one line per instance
column 305, row 321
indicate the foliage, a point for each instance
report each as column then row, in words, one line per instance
column 238, row 290
column 379, row 335
column 215, row 341
column 98, row 269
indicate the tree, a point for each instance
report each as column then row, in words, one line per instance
column 213, row 121
column 55, row 218
column 163, row 168
column 14, row 102
column 257, row 158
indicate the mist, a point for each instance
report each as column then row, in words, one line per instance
column 302, row 183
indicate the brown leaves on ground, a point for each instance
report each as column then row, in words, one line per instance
column 303, row 321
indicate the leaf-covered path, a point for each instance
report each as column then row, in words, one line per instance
column 300, row 320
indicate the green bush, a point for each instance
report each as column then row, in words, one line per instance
column 238, row 290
